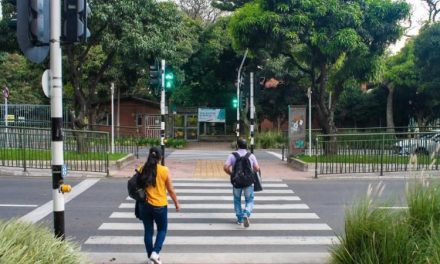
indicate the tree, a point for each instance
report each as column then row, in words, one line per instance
column 200, row 10
column 211, row 71
column 333, row 42
column 427, row 61
column 22, row 78
column 126, row 37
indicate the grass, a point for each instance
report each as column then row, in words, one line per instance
column 375, row 236
column 32, row 154
column 363, row 159
column 26, row 243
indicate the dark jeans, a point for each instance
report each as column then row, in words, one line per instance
column 148, row 215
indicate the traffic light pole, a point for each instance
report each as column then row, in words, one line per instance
column 162, row 111
column 238, row 96
column 56, row 106
column 252, row 111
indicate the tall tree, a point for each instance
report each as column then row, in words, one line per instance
column 427, row 61
column 127, row 35
column 333, row 42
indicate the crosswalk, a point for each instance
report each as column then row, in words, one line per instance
column 283, row 229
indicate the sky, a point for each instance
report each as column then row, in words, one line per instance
column 419, row 14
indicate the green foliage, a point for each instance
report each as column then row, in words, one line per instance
column 427, row 61
column 332, row 42
column 270, row 139
column 375, row 235
column 23, row 79
column 360, row 109
column 35, row 154
column 27, row 243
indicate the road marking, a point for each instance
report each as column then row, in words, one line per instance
column 220, row 258
column 228, row 206
column 229, row 191
column 393, row 207
column 218, row 240
column 225, row 215
column 219, row 226
column 230, row 198
column 275, row 154
column 47, row 208
column 223, row 184
column 18, row 205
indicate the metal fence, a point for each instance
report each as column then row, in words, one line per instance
column 29, row 115
column 376, row 152
column 26, row 147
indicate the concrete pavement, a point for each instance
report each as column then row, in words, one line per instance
column 212, row 168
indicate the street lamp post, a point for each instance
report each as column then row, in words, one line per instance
column 238, row 95
column 309, row 94
column 113, row 117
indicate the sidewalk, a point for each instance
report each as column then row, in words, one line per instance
column 213, row 169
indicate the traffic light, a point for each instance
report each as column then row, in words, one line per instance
column 243, row 101
column 234, row 103
column 75, row 17
column 169, row 77
column 155, row 76
column 33, row 28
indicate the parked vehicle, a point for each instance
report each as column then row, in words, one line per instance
column 424, row 144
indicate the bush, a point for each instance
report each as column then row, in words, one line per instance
column 270, row 139
column 374, row 235
column 24, row 243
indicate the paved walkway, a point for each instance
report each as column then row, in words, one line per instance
column 213, row 168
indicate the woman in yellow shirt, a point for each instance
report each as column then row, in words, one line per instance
column 158, row 183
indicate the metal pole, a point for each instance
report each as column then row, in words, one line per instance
column 162, row 112
column 309, row 94
column 6, row 121
column 113, row 117
column 252, row 112
column 238, row 95
column 56, row 103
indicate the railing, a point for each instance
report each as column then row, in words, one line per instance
column 31, row 148
column 376, row 152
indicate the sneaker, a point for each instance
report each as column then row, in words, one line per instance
column 239, row 222
column 155, row 258
column 246, row 221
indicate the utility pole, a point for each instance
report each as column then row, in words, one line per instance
column 238, row 95
column 252, row 109
column 309, row 94
column 56, row 106
column 162, row 112
column 113, row 117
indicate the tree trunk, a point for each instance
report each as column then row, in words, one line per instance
column 390, row 116
column 325, row 114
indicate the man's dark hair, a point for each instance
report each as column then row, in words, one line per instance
column 241, row 143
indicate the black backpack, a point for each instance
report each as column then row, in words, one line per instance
column 242, row 174
column 135, row 188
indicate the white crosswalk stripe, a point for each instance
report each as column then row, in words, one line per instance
column 282, row 230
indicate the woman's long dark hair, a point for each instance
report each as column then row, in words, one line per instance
column 149, row 171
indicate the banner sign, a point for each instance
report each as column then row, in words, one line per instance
column 297, row 129
column 214, row 115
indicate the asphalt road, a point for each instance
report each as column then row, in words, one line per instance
column 99, row 217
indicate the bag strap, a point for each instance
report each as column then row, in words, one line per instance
column 248, row 155
column 236, row 155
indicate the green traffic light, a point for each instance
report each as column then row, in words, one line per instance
column 169, row 76
column 234, row 103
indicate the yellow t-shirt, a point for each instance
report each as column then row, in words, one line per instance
column 157, row 196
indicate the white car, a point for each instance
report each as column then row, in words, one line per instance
column 425, row 144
